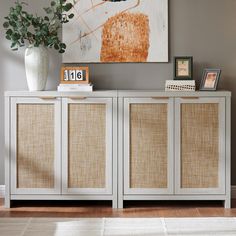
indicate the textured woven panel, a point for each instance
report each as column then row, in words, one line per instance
column 199, row 145
column 148, row 145
column 35, row 146
column 87, row 146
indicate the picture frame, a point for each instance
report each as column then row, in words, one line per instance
column 74, row 75
column 210, row 79
column 183, row 68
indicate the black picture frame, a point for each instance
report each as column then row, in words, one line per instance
column 187, row 70
column 212, row 84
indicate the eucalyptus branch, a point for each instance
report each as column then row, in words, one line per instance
column 23, row 27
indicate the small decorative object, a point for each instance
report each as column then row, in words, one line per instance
column 180, row 85
column 75, row 78
column 74, row 75
column 37, row 34
column 210, row 79
column 183, row 68
column 120, row 31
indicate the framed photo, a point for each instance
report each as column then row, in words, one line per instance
column 74, row 75
column 210, row 79
column 183, row 68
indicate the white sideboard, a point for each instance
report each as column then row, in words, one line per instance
column 118, row 145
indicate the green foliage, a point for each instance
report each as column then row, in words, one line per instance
column 23, row 27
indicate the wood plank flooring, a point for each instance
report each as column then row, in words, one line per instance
column 103, row 209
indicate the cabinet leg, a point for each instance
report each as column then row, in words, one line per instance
column 114, row 203
column 120, row 203
column 7, row 203
column 227, row 203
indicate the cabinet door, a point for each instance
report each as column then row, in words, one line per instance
column 87, row 146
column 148, row 146
column 35, row 146
column 200, row 145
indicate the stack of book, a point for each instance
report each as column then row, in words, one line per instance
column 75, row 88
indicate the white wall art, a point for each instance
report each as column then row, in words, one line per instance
column 105, row 31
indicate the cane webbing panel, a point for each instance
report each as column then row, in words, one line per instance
column 199, row 145
column 35, row 146
column 87, row 146
column 148, row 145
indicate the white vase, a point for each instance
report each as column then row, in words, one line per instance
column 36, row 67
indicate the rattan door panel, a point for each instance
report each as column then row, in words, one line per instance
column 201, row 157
column 35, row 146
column 148, row 159
column 87, row 145
column 88, row 153
column 35, row 160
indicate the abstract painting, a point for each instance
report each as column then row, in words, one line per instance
column 105, row 31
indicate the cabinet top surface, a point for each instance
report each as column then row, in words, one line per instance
column 119, row 93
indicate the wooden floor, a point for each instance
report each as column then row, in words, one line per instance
column 103, row 209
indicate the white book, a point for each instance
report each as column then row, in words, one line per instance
column 75, row 89
column 75, row 85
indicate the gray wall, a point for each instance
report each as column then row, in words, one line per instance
column 204, row 29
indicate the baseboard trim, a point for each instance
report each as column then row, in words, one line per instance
column 233, row 191
column 2, row 191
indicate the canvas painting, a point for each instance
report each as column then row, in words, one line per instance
column 106, row 31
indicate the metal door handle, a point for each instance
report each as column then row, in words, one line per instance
column 77, row 98
column 189, row 97
column 47, row 97
column 163, row 98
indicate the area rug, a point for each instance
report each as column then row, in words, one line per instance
column 117, row 226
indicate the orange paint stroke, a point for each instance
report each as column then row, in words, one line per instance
column 125, row 38
column 89, row 28
column 94, row 6
column 73, row 20
column 86, row 34
column 92, row 3
column 76, row 2
column 84, row 22
column 91, row 8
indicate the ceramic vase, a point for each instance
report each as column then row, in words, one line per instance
column 36, row 67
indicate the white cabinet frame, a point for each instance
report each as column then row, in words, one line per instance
column 170, row 116
column 222, row 157
column 109, row 145
column 57, row 144
column 118, row 157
